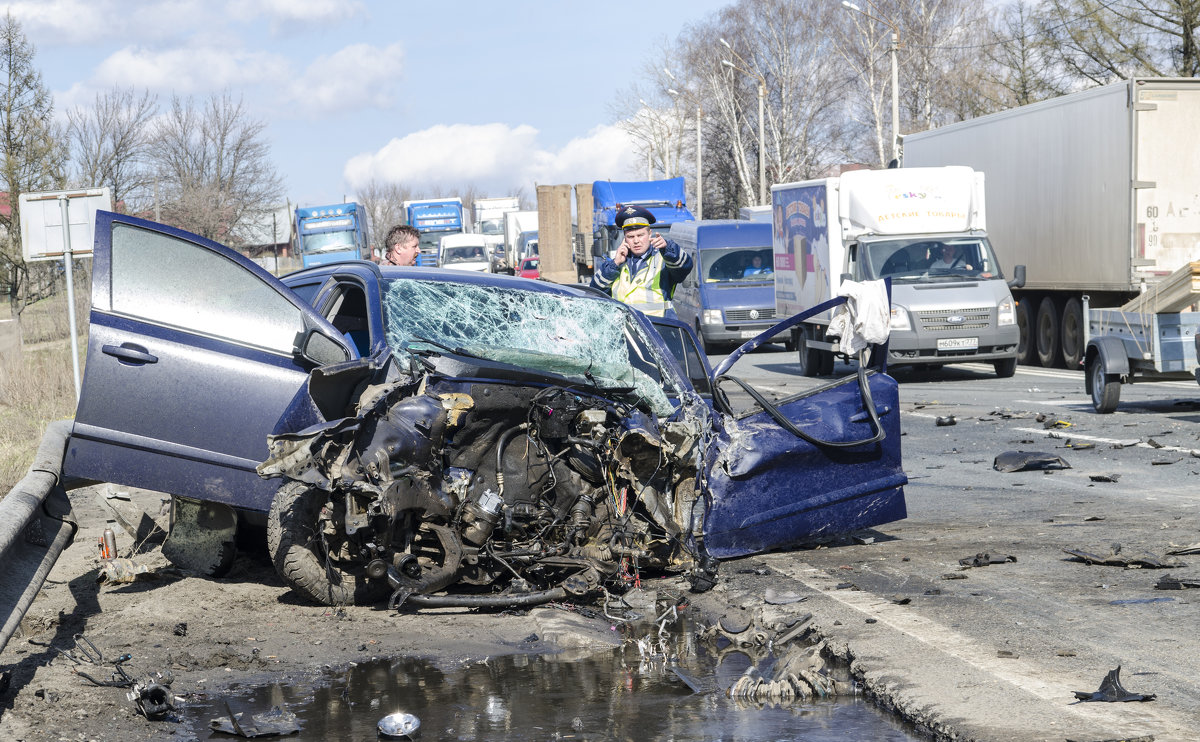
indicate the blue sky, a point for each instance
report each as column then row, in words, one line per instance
column 497, row 94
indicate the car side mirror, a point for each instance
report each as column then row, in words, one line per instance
column 320, row 349
column 1018, row 279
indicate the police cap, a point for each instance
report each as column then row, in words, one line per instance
column 632, row 217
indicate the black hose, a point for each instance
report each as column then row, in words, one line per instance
column 486, row 601
column 505, row 437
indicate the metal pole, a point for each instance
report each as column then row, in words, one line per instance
column 699, row 170
column 69, row 266
column 895, row 97
column 762, row 149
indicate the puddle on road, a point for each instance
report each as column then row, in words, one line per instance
column 617, row 695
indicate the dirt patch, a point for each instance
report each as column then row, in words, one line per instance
column 211, row 634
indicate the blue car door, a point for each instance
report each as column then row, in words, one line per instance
column 811, row 465
column 194, row 355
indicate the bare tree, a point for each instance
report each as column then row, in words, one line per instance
column 1022, row 67
column 213, row 166
column 384, row 204
column 1101, row 41
column 110, row 142
column 32, row 158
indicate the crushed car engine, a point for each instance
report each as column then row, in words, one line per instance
column 512, row 493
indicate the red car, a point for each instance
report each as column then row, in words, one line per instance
column 529, row 268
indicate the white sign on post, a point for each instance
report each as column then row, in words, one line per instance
column 42, row 235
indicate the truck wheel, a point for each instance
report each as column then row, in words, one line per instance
column 1006, row 367
column 1072, row 332
column 310, row 560
column 1026, row 345
column 1106, row 388
column 827, row 361
column 810, row 358
column 704, row 344
column 1049, row 341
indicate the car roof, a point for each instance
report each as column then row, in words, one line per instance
column 362, row 267
column 723, row 233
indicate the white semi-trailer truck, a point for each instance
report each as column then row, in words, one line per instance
column 1097, row 193
column 922, row 228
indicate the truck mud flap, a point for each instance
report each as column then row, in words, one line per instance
column 35, row 527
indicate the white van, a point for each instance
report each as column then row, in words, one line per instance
column 464, row 252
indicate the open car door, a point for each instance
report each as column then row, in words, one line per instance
column 194, row 355
column 817, row 463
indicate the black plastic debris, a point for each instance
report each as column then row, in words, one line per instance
column 946, row 421
column 983, row 559
column 1164, row 462
column 1170, row 582
column 1011, row 461
column 787, row 597
column 1115, row 558
column 1104, row 477
column 1153, row 443
column 1111, row 691
column 180, row 629
column 954, row 576
column 273, row 723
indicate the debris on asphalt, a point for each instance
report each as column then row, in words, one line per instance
column 1006, row 654
column 273, row 723
column 121, row 570
column 1153, row 443
column 900, row 599
column 1092, row 518
column 799, row 675
column 983, row 559
column 1049, row 424
column 1104, row 477
column 1165, row 462
column 1130, row 443
column 1064, row 653
column 772, row 597
column 398, row 725
column 1111, row 691
column 1170, row 582
column 1115, row 558
column 1011, row 461
column 946, row 421
column 1079, row 446
column 954, row 576
column 180, row 629
column 1192, row 549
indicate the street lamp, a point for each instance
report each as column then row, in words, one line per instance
column 893, row 52
column 699, row 202
column 762, row 95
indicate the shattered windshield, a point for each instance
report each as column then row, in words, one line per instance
column 592, row 341
column 955, row 256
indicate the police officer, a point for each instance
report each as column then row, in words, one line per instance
column 646, row 268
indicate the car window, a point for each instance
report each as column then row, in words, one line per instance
column 170, row 281
column 687, row 355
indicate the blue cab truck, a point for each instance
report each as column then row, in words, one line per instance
column 326, row 234
column 729, row 297
column 434, row 218
column 665, row 199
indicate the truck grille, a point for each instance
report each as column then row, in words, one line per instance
column 743, row 315
column 975, row 318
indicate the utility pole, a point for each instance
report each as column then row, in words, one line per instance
column 762, row 98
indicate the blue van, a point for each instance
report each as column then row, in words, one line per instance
column 729, row 297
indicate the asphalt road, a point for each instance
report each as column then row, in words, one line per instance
column 996, row 652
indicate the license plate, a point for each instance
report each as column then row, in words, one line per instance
column 958, row 344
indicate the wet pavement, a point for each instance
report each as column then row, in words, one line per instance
column 624, row 694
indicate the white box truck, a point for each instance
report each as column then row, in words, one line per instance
column 924, row 228
column 489, row 222
column 520, row 227
column 1097, row 193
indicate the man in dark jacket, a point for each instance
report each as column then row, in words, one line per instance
column 646, row 268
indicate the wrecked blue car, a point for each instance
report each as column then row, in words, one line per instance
column 447, row 438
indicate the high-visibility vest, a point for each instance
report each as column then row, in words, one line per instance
column 644, row 291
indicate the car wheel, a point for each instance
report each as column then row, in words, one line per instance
column 1072, row 332
column 310, row 560
column 1026, row 345
column 1106, row 388
column 1049, row 341
column 810, row 358
column 1005, row 367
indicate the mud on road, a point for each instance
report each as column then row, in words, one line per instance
column 243, row 628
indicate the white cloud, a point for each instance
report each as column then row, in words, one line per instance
column 296, row 15
column 70, row 22
column 189, row 70
column 494, row 157
column 358, row 76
